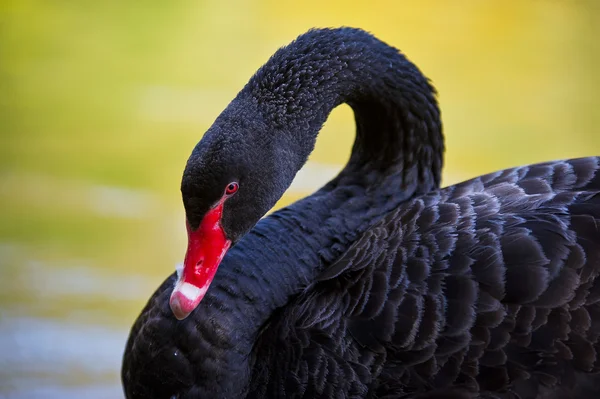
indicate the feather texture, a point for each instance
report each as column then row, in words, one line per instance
column 489, row 285
column 380, row 284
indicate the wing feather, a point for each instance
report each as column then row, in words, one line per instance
column 483, row 287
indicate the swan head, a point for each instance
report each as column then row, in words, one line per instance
column 234, row 176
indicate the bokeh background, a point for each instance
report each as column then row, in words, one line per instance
column 101, row 103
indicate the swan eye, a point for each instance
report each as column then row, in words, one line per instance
column 231, row 188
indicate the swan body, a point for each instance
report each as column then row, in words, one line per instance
column 381, row 284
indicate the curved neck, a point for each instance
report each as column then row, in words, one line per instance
column 397, row 117
column 397, row 154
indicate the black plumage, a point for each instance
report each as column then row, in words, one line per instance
column 380, row 284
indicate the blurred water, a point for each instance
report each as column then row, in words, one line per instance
column 41, row 357
column 77, row 356
column 102, row 103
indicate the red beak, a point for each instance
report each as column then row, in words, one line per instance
column 207, row 246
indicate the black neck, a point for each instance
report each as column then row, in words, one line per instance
column 397, row 154
column 397, row 116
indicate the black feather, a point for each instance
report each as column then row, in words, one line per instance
column 379, row 285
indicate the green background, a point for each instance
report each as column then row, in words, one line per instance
column 101, row 103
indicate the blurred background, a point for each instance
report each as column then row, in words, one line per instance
column 101, row 102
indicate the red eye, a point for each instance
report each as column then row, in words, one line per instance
column 231, row 188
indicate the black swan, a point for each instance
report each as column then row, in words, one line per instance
column 380, row 284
